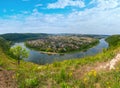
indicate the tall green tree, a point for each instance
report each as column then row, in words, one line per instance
column 19, row 53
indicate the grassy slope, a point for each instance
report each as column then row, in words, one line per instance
column 19, row 37
column 66, row 74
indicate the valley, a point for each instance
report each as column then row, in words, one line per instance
column 86, row 72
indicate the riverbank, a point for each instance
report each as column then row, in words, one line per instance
column 51, row 53
column 40, row 58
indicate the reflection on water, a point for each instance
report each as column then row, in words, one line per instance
column 40, row 58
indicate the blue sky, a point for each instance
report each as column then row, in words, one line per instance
column 60, row 16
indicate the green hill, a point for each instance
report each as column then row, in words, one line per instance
column 78, row 73
column 23, row 36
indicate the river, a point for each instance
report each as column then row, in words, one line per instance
column 40, row 58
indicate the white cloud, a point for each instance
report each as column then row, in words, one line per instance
column 106, row 4
column 65, row 3
column 38, row 5
column 35, row 11
column 25, row 12
column 96, row 20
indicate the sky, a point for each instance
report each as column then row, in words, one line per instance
column 60, row 16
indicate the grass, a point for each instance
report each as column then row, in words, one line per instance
column 65, row 74
column 59, row 74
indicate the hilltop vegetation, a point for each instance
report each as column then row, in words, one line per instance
column 79, row 73
column 113, row 40
column 18, row 37
column 5, row 45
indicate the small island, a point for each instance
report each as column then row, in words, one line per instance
column 61, row 44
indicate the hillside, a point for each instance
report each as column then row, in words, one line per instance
column 88, row 72
column 16, row 37
column 7, row 73
column 23, row 36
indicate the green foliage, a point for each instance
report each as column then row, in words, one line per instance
column 56, row 64
column 5, row 61
column 65, row 85
column 22, row 37
column 31, row 82
column 19, row 53
column 62, row 76
column 5, row 45
column 1, row 63
column 113, row 40
column 49, row 50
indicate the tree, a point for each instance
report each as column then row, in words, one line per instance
column 5, row 45
column 19, row 53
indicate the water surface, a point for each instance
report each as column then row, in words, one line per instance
column 40, row 58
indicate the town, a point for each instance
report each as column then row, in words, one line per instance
column 62, row 44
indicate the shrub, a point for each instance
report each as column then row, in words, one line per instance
column 31, row 82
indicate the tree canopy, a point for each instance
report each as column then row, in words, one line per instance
column 19, row 53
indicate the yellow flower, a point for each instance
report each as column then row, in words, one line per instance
column 107, row 83
column 92, row 73
column 70, row 74
column 85, row 79
column 40, row 67
column 95, row 73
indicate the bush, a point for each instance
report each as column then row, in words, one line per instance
column 5, row 45
column 113, row 40
column 31, row 82
column 49, row 50
column 1, row 63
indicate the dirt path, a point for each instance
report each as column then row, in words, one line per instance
column 7, row 79
column 100, row 66
column 110, row 64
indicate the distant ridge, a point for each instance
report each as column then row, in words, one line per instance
column 30, row 36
